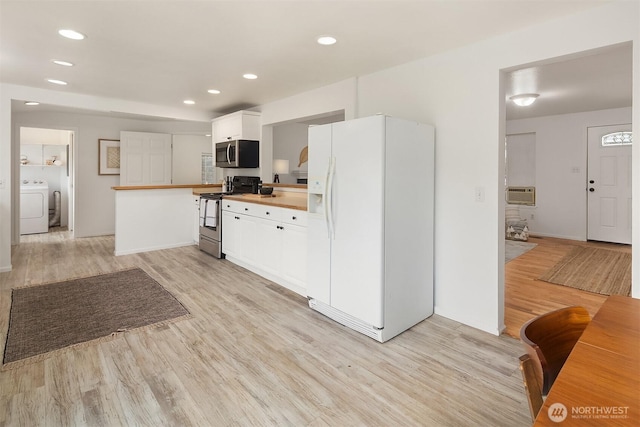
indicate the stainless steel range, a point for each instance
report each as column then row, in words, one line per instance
column 211, row 214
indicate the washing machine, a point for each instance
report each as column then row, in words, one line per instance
column 34, row 206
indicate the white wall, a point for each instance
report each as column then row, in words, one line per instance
column 95, row 200
column 288, row 141
column 336, row 98
column 561, row 169
column 187, row 158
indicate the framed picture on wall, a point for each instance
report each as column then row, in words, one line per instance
column 108, row 157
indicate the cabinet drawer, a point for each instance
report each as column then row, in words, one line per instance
column 233, row 206
column 295, row 217
column 266, row 212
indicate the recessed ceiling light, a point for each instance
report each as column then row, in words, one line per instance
column 57, row 82
column 31, row 103
column 189, row 101
column 524, row 99
column 214, row 91
column 71, row 34
column 326, row 40
column 250, row 76
column 208, row 134
column 63, row 63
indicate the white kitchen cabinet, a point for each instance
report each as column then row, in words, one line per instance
column 270, row 241
column 294, row 254
column 196, row 220
column 231, row 234
column 238, row 125
column 269, row 245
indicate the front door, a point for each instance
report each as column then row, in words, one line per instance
column 609, row 184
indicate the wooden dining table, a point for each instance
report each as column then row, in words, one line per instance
column 599, row 384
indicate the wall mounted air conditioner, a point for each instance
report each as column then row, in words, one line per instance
column 521, row 196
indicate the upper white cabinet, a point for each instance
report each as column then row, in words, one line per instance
column 238, row 125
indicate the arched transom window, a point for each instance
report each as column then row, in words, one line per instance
column 617, row 138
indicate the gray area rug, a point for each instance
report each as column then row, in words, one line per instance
column 513, row 249
column 53, row 316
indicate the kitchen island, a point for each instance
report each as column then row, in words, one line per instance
column 154, row 217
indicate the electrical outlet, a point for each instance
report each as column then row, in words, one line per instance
column 2, row 184
column 479, row 194
column 533, row 216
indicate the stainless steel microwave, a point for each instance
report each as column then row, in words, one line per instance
column 240, row 153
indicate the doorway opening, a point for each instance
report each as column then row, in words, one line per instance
column 46, row 176
column 574, row 100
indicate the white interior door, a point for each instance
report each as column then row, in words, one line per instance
column 609, row 186
column 145, row 158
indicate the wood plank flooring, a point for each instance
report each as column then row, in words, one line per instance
column 252, row 354
column 527, row 297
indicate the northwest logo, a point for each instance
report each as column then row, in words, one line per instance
column 557, row 412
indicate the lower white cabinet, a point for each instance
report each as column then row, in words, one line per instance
column 269, row 241
column 196, row 220
column 294, row 254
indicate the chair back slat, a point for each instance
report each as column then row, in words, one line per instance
column 531, row 385
column 549, row 339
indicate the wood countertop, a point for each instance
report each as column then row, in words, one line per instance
column 289, row 202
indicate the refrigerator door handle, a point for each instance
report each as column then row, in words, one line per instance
column 329, row 196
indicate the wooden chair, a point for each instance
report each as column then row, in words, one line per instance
column 549, row 338
column 531, row 385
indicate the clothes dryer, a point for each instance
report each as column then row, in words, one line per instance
column 34, row 206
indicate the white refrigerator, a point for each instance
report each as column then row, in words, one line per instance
column 370, row 223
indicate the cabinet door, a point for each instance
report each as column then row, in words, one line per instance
column 238, row 125
column 269, row 245
column 247, row 244
column 196, row 220
column 227, row 128
column 294, row 254
column 230, row 233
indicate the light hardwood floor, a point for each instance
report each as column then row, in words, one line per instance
column 252, row 354
column 527, row 297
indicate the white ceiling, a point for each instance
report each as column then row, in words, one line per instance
column 163, row 52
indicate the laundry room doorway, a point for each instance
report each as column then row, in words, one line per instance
column 46, row 180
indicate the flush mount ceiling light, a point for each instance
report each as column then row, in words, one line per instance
column 189, row 102
column 57, row 82
column 63, row 63
column 71, row 34
column 524, row 99
column 326, row 40
column 250, row 76
column 31, row 103
column 214, row 91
